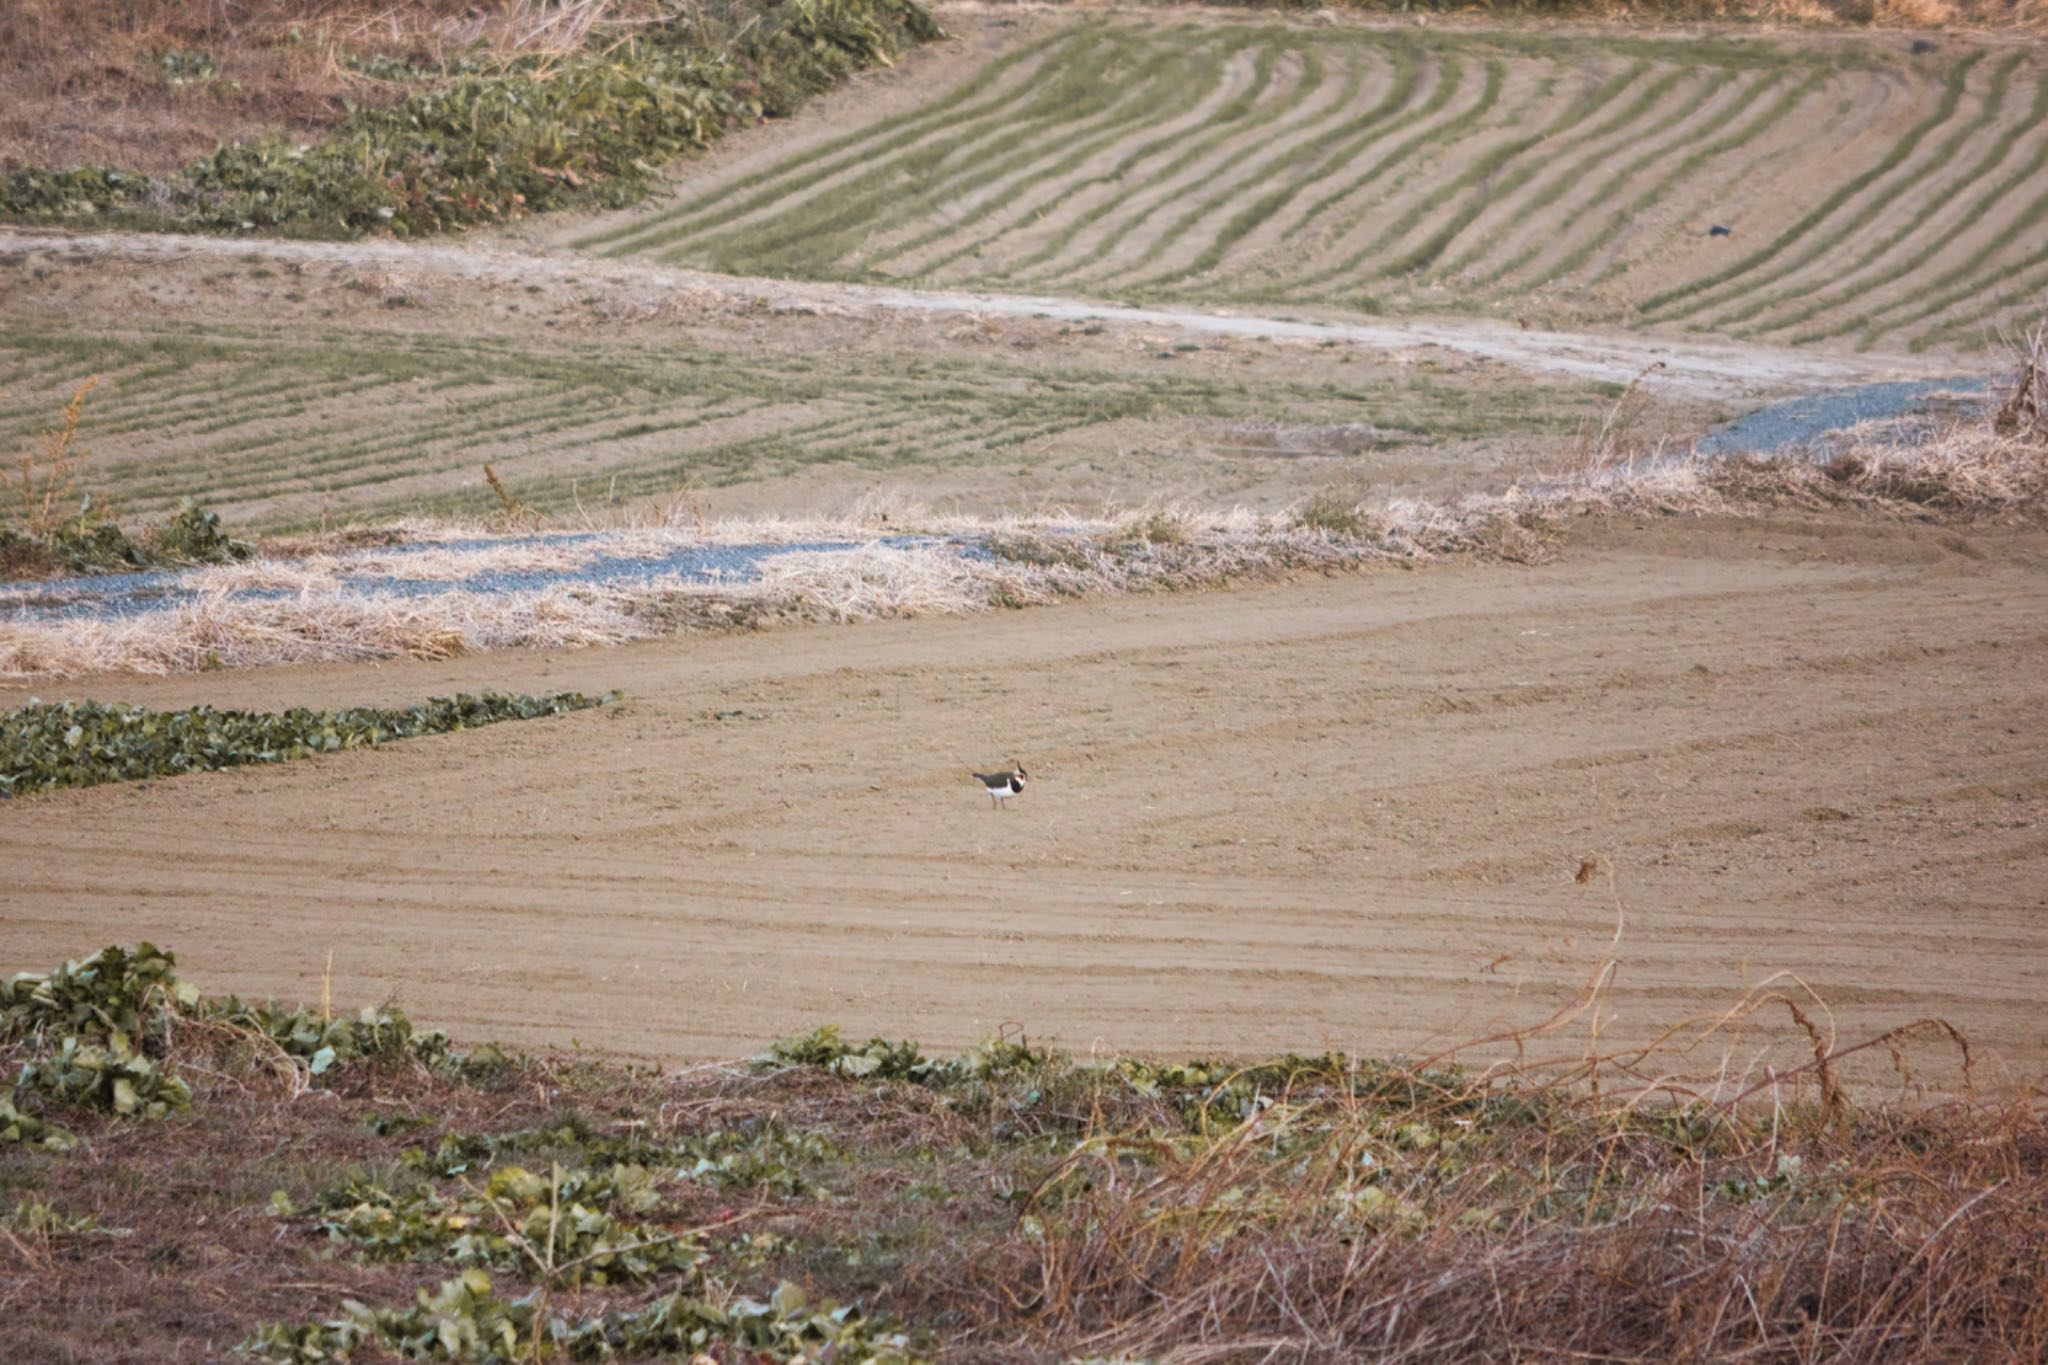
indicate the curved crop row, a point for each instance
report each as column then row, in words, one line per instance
column 1257, row 163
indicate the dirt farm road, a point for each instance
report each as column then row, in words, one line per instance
column 1693, row 367
column 1343, row 812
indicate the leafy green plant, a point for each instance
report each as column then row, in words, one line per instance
column 95, row 1032
column 36, row 1219
column 179, row 67
column 108, row 1034
column 465, row 1321
column 193, row 536
column 559, row 1225
column 750, row 1155
column 322, row 1043
column 27, row 1130
column 883, row 1060
column 461, row 1321
column 77, row 744
column 786, row 1326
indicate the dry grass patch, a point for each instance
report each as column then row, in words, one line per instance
column 155, row 84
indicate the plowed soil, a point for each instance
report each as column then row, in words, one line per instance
column 1344, row 812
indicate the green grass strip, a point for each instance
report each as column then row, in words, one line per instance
column 1449, row 131
column 1704, row 291
column 1779, row 109
column 821, row 228
column 1095, row 262
column 1450, row 80
column 1967, row 271
column 1478, row 177
column 1008, row 119
column 1636, row 110
column 1220, row 129
column 1115, row 175
column 2024, row 297
column 1475, row 177
column 79, row 744
column 1166, row 89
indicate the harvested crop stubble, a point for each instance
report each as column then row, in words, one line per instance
column 1126, row 160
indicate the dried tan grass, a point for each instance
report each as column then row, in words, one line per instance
column 1721, row 1193
column 79, row 83
column 2023, row 413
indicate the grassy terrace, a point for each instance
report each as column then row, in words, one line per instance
column 1401, row 170
column 269, row 423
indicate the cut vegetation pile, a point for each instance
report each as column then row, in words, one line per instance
column 1566, row 177
column 78, row 744
column 862, row 1201
column 488, row 136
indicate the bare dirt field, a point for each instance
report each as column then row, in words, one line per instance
column 1342, row 812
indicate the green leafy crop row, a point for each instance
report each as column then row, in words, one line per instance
column 484, row 145
column 77, row 744
column 465, row 1321
column 564, row 1221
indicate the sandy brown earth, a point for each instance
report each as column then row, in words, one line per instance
column 1345, row 812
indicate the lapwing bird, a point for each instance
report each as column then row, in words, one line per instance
column 1002, row 786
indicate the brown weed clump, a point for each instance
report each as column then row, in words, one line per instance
column 1327, row 1228
column 45, row 481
